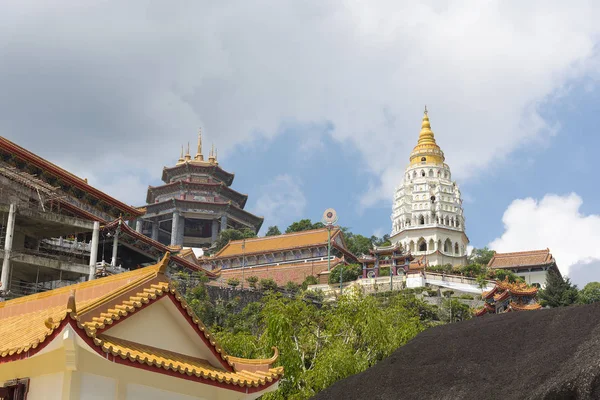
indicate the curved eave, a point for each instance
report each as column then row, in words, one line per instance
column 66, row 176
column 150, row 197
column 214, row 170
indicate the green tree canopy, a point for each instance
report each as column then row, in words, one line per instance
column 481, row 256
column 303, row 225
column 232, row 234
column 273, row 231
column 349, row 273
column 559, row 292
column 590, row 293
column 382, row 241
column 357, row 244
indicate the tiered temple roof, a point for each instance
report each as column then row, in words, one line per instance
column 81, row 199
column 509, row 296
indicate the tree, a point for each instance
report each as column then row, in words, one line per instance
column 358, row 244
column 453, row 310
column 590, row 293
column 309, row 280
column 481, row 256
column 559, row 292
column 292, row 287
column 349, row 273
column 227, row 235
column 233, row 282
column 267, row 284
column 303, row 225
column 273, row 231
column 252, row 281
column 381, row 242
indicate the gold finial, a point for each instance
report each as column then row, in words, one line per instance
column 187, row 155
column 425, row 109
column 199, row 156
column 211, row 157
column 181, row 156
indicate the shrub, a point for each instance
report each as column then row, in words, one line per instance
column 266, row 284
column 309, row 280
column 447, row 293
column 432, row 293
column 252, row 281
column 292, row 287
column 349, row 273
column 233, row 282
column 466, row 297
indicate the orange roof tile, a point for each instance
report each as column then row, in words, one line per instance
column 286, row 241
column 524, row 307
column 521, row 259
column 26, row 323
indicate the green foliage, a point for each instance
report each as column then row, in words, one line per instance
column 267, row 284
column 252, row 281
column 303, row 225
column 502, row 274
column 465, row 296
column 559, row 292
column 590, row 293
column 384, row 271
column 233, row 282
column 481, row 256
column 447, row 293
column 381, row 242
column 273, row 231
column 227, row 235
column 292, row 287
column 357, row 244
column 349, row 273
column 309, row 280
column 453, row 310
column 432, row 292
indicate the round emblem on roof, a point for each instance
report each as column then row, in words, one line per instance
column 330, row 216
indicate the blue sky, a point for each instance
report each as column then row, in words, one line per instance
column 318, row 104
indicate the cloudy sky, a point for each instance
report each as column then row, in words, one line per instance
column 318, row 104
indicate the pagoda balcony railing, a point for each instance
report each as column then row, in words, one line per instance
column 67, row 245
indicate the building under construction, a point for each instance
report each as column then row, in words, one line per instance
column 56, row 230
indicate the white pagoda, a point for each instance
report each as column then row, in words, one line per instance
column 427, row 215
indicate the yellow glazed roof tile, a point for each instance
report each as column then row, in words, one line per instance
column 276, row 243
column 26, row 323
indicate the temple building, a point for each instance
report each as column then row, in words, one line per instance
column 195, row 203
column 56, row 229
column 507, row 297
column 427, row 215
column 287, row 257
column 392, row 258
column 126, row 336
column 531, row 266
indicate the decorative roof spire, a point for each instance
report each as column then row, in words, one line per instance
column 211, row 157
column 187, row 155
column 426, row 150
column 426, row 135
column 181, row 156
column 199, row 156
column 216, row 155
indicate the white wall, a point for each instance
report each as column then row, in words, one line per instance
column 46, row 387
column 140, row 392
column 534, row 277
column 96, row 387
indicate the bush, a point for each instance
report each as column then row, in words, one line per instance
column 309, row 280
column 233, row 282
column 432, row 293
column 384, row 271
column 267, row 284
column 252, row 281
column 472, row 270
column 466, row 297
column 447, row 293
column 292, row 287
column 501, row 274
column 349, row 273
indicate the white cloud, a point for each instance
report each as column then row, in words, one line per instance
column 136, row 79
column 555, row 222
column 280, row 201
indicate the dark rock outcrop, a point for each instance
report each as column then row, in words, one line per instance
column 545, row 354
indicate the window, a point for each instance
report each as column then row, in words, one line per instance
column 423, row 159
column 423, row 173
column 15, row 390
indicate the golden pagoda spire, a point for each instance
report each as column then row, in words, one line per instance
column 199, row 156
column 216, row 155
column 187, row 154
column 181, row 156
column 211, row 157
column 426, row 150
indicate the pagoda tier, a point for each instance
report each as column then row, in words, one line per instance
column 507, row 297
column 187, row 190
column 195, row 204
column 200, row 170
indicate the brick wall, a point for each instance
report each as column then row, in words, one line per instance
column 296, row 272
